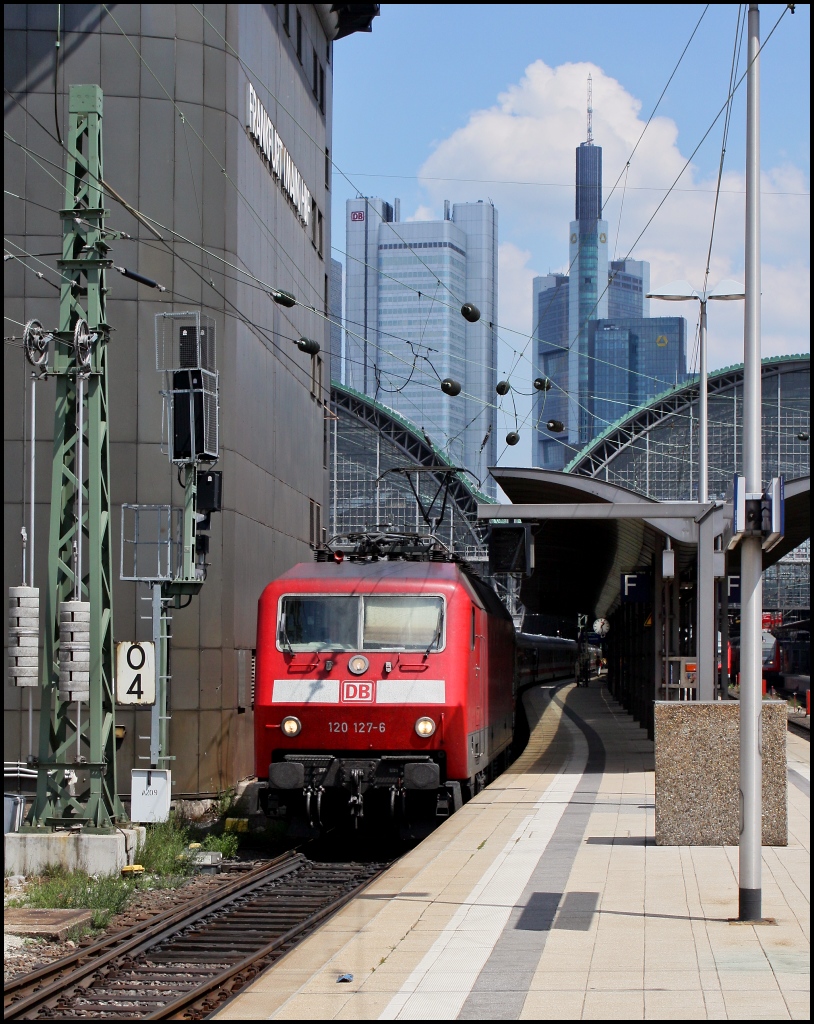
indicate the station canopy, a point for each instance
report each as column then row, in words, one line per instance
column 578, row 563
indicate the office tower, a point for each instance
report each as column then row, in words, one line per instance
column 364, row 218
column 588, row 291
column 335, row 313
column 550, row 329
column 629, row 283
column 565, row 306
column 630, row 362
column 405, row 285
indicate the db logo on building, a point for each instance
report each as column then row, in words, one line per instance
column 357, row 215
column 357, row 692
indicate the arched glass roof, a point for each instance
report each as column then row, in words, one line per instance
column 654, row 449
column 380, row 460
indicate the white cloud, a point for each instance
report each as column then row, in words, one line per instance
column 514, row 277
column 530, row 135
column 422, row 213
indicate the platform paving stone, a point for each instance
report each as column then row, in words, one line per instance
column 546, row 898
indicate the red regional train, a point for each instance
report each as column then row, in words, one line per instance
column 387, row 685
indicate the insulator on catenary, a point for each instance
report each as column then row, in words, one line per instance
column 23, row 635
column 542, row 384
column 556, row 426
column 450, row 387
column 503, row 387
column 133, row 275
column 512, row 437
column 308, row 345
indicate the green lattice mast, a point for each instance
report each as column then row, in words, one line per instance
column 80, row 348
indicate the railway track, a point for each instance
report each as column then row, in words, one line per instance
column 184, row 964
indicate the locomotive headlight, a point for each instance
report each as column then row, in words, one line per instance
column 291, row 726
column 358, row 664
column 425, row 727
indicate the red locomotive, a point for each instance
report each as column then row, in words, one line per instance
column 385, row 683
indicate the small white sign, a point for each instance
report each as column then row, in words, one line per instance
column 135, row 673
column 150, row 794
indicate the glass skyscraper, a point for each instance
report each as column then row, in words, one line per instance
column 630, row 361
column 404, row 333
column 550, row 331
column 588, row 291
column 594, row 339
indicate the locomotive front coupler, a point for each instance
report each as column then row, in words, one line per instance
column 356, row 804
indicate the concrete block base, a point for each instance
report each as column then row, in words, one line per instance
column 33, row 923
column 29, row 853
column 697, row 747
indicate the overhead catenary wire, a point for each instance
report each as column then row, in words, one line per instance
column 739, row 30
column 269, row 288
column 650, row 220
column 266, row 287
column 266, row 332
column 205, row 251
column 561, row 184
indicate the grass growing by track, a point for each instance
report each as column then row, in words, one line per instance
column 165, row 856
column 165, row 851
column 62, row 890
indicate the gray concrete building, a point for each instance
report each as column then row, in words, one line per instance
column 217, row 128
column 335, row 279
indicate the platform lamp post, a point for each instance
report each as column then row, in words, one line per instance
column 680, row 291
column 751, row 704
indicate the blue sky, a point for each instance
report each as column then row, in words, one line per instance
column 440, row 93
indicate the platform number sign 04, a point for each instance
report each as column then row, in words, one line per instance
column 135, row 673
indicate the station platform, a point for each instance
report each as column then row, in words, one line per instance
column 546, row 898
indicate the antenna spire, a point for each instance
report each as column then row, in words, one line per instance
column 590, row 111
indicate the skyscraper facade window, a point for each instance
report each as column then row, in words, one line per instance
column 629, row 283
column 551, row 361
column 630, row 361
column 588, row 292
column 405, row 285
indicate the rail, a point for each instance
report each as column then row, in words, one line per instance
column 183, row 964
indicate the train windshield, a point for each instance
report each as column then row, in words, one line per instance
column 319, row 624
column 381, row 623
column 403, row 623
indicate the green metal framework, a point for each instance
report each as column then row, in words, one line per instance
column 82, row 297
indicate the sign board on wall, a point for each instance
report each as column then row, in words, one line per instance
column 150, row 794
column 282, row 167
column 635, row 587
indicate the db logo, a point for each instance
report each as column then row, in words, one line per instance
column 357, row 692
column 357, row 215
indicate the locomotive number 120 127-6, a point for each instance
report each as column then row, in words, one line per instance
column 356, row 726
